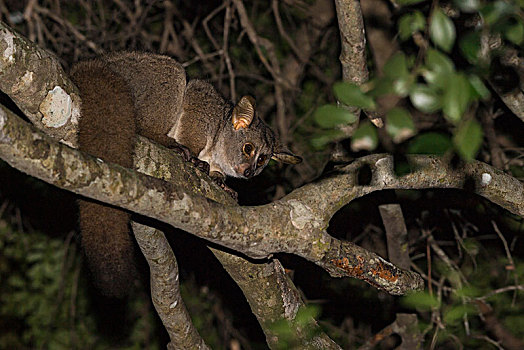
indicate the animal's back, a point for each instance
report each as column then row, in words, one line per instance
column 157, row 83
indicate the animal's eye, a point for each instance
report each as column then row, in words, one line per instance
column 248, row 149
column 261, row 160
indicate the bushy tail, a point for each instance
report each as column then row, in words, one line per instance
column 107, row 130
column 108, row 247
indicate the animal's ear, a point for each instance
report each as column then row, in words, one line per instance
column 243, row 112
column 283, row 155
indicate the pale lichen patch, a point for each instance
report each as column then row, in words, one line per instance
column 185, row 203
column 27, row 78
column 3, row 117
column 56, row 108
column 365, row 143
column 24, row 82
column 73, row 168
column 8, row 56
column 75, row 111
column 383, row 171
column 195, row 215
column 67, row 142
column 301, row 215
column 486, row 179
column 205, row 186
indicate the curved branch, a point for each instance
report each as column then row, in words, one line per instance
column 294, row 224
column 353, row 49
column 284, row 226
column 328, row 195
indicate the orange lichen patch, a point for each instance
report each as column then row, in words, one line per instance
column 368, row 271
column 344, row 264
column 383, row 272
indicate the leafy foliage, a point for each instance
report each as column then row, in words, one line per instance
column 44, row 300
column 459, row 307
column 43, row 296
column 435, row 81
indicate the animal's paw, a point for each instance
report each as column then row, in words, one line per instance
column 185, row 153
column 200, row 164
column 219, row 180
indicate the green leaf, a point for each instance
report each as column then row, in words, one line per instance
column 439, row 62
column 438, row 68
column 468, row 6
column 365, row 138
column 456, row 97
column 430, row 143
column 306, row 313
column 425, row 98
column 472, row 247
column 381, row 86
column 325, row 137
column 396, row 70
column 515, row 32
column 469, row 45
column 396, row 66
column 410, row 24
column 456, row 313
column 468, row 138
column 494, row 11
column 420, row 300
column 402, row 86
column 399, row 124
column 442, row 30
column 351, row 95
column 468, row 291
column 330, row 116
column 478, row 87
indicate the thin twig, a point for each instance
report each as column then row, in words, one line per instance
column 510, row 260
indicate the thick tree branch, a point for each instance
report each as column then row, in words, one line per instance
column 36, row 82
column 227, row 227
column 327, row 195
column 296, row 224
column 289, row 225
column 269, row 306
column 396, row 234
column 406, row 326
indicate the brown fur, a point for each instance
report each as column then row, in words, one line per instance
column 157, row 83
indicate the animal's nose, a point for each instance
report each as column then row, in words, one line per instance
column 248, row 172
